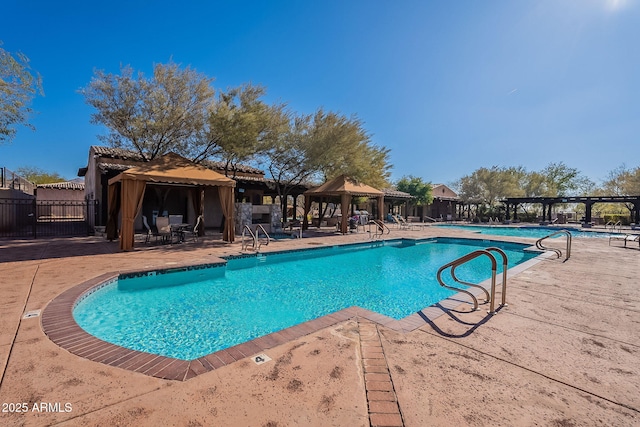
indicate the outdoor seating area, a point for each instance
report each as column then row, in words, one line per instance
column 171, row 229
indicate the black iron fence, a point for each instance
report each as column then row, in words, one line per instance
column 13, row 181
column 31, row 218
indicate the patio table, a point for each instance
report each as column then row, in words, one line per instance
column 178, row 230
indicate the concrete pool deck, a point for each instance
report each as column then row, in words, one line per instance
column 565, row 352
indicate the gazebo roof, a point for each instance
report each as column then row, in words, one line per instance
column 174, row 169
column 344, row 185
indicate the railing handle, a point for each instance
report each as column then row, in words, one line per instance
column 558, row 252
column 494, row 266
column 256, row 237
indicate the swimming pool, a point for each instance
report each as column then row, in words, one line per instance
column 532, row 231
column 192, row 313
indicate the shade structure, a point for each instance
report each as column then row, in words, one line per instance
column 168, row 169
column 345, row 188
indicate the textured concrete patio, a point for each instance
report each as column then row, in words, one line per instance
column 565, row 352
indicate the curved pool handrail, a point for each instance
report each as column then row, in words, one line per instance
column 380, row 230
column 257, row 244
column 464, row 259
column 505, row 266
column 253, row 238
column 558, row 252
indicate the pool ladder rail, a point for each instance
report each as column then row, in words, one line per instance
column 613, row 227
column 558, row 252
column 256, row 243
column 489, row 295
column 380, row 229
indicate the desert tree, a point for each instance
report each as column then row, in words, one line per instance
column 341, row 145
column 152, row 115
column 318, row 147
column 38, row 176
column 18, row 86
column 240, row 126
column 562, row 180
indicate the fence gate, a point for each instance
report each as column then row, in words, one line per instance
column 31, row 218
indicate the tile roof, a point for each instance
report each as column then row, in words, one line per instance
column 122, row 154
column 66, row 185
column 398, row 194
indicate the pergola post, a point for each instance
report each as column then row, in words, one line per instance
column 587, row 211
column 345, row 199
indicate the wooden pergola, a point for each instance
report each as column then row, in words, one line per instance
column 344, row 188
column 126, row 192
column 589, row 201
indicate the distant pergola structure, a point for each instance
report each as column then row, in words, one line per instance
column 589, row 201
column 344, row 189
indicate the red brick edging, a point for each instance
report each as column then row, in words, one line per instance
column 381, row 396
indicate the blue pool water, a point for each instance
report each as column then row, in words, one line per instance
column 193, row 313
column 535, row 232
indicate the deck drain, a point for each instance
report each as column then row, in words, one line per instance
column 32, row 313
column 260, row 359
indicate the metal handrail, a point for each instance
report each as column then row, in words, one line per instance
column 558, row 252
column 380, row 230
column 613, row 225
column 505, row 266
column 253, row 237
column 257, row 244
column 494, row 267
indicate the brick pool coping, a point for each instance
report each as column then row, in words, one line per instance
column 61, row 328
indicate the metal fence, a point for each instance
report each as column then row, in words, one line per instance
column 31, row 218
column 13, row 181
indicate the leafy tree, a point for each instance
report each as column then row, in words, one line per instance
column 152, row 116
column 341, row 145
column 534, row 185
column 489, row 186
column 242, row 126
column 289, row 158
column 321, row 146
column 561, row 180
column 18, row 86
column 38, row 176
column 420, row 190
column 623, row 181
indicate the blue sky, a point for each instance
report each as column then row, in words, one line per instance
column 449, row 87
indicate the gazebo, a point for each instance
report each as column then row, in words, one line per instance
column 126, row 192
column 345, row 188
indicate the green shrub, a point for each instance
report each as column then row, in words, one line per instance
column 624, row 219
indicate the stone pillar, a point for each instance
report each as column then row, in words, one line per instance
column 244, row 212
column 276, row 218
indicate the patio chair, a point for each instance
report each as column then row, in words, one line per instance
column 150, row 231
column 175, row 219
column 193, row 232
column 403, row 224
column 164, row 229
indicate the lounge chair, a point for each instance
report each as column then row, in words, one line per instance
column 403, row 224
column 627, row 238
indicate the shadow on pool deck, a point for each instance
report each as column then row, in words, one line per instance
column 564, row 352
